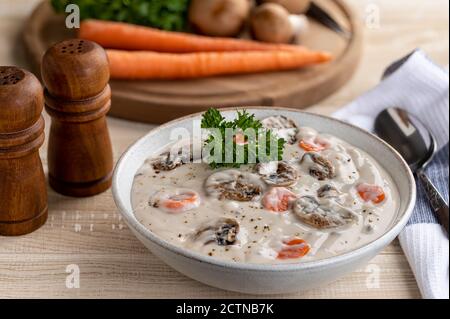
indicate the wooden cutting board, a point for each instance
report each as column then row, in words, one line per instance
column 160, row 101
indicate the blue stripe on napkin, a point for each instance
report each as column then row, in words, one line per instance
column 437, row 171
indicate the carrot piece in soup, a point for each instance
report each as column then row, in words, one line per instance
column 373, row 193
column 295, row 248
column 278, row 199
column 310, row 147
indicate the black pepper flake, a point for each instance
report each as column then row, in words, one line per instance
column 256, row 227
column 210, row 253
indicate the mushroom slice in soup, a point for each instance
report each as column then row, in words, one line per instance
column 277, row 173
column 234, row 185
column 175, row 200
column 318, row 166
column 328, row 191
column 314, row 214
column 282, row 126
column 167, row 161
column 223, row 232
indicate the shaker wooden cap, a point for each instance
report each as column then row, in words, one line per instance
column 75, row 69
column 21, row 97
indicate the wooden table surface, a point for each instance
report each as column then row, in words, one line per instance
column 89, row 235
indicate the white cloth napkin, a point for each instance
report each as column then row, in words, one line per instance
column 421, row 87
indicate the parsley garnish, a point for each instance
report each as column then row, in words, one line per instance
column 213, row 119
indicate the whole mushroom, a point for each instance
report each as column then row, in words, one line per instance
column 293, row 6
column 270, row 23
column 223, row 18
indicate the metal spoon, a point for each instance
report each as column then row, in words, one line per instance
column 417, row 145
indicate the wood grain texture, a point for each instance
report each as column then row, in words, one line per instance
column 23, row 194
column 159, row 101
column 77, row 97
column 114, row 264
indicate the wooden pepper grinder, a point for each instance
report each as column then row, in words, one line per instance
column 77, row 97
column 23, row 191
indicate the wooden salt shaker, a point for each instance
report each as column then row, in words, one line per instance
column 77, row 97
column 23, row 191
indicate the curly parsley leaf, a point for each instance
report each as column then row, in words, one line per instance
column 168, row 15
column 213, row 119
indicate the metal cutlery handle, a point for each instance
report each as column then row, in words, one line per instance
column 320, row 15
column 440, row 207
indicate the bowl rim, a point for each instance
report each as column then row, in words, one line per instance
column 374, row 245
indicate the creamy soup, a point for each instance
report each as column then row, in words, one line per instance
column 325, row 198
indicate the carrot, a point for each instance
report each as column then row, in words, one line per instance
column 240, row 139
column 181, row 200
column 296, row 248
column 118, row 35
column 373, row 193
column 153, row 65
column 176, row 201
column 310, row 147
column 278, row 199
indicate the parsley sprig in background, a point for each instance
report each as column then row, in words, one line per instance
column 162, row 14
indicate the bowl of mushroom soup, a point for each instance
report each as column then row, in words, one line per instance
column 331, row 201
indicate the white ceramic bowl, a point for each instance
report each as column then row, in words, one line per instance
column 257, row 278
